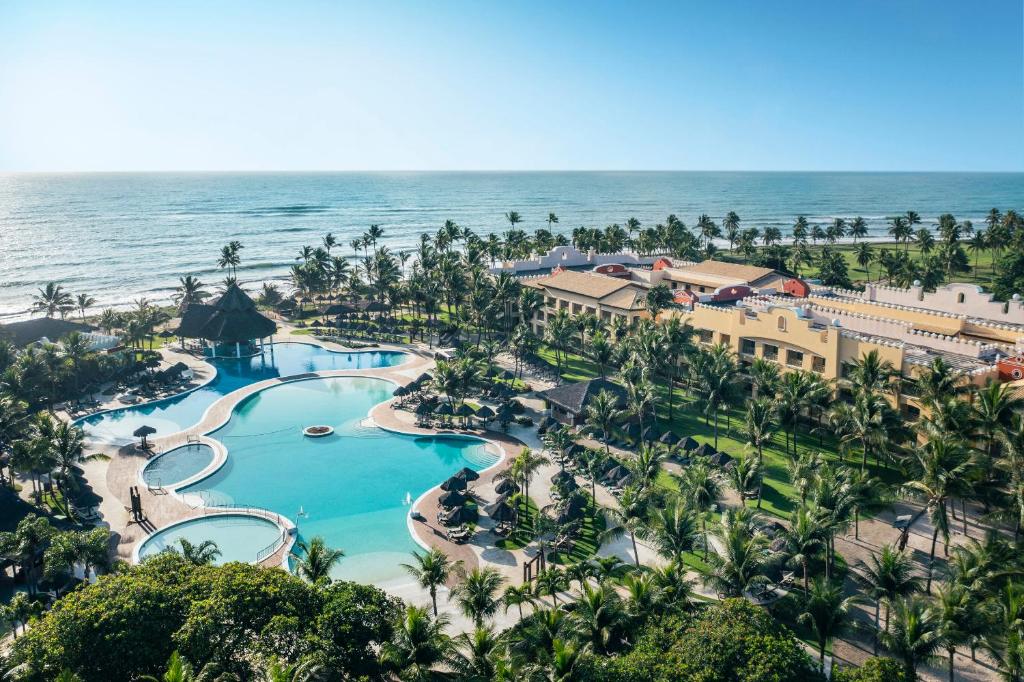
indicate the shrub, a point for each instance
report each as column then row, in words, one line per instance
column 873, row 670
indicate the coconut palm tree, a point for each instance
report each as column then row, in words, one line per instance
column 915, row 634
column 887, row 577
column 83, row 302
column 804, row 539
column 53, row 300
column 745, row 476
column 199, row 554
column 700, row 487
column 764, row 377
column 597, row 616
column 745, row 554
column 760, row 427
column 603, row 414
column 477, row 594
column 518, row 596
column 942, row 465
column 315, row 560
column 869, row 422
column 673, row 531
column 629, row 518
column 827, row 612
column 716, row 380
column 419, row 648
column 26, row 543
column 550, row 582
column 479, row 654
column 1004, row 640
column 178, row 670
column 431, row 570
column 858, row 229
column 864, row 255
column 955, row 609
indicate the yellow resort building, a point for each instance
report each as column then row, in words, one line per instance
column 760, row 313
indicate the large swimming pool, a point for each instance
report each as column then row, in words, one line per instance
column 179, row 413
column 352, row 487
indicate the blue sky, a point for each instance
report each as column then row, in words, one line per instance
column 884, row 85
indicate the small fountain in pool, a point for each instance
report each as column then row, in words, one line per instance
column 408, row 499
column 317, row 431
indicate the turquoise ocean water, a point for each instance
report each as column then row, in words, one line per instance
column 118, row 236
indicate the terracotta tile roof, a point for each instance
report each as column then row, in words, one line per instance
column 582, row 283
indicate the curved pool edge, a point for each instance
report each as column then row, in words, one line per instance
column 283, row 523
column 315, row 343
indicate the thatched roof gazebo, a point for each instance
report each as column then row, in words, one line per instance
column 231, row 326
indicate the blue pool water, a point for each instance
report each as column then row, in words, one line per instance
column 177, row 465
column 350, row 486
column 176, row 414
column 239, row 537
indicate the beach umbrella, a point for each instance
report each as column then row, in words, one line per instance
column 445, row 410
column 720, row 459
column 570, row 484
column 340, row 309
column 561, row 477
column 705, row 450
column 464, row 410
column 688, row 444
column 631, row 430
column 503, row 513
column 424, row 409
column 651, row 433
column 616, row 473
column 502, row 500
column 668, row 438
column 454, row 483
column 467, row 474
column 506, row 486
column 452, row 498
column 400, row 391
column 423, row 379
column 485, row 413
column 142, row 432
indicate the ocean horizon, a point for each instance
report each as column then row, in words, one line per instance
column 122, row 235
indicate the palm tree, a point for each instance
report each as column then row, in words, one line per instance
column 700, row 487
column 596, row 616
column 673, row 531
column 518, row 595
column 178, row 670
column 803, row 539
column 955, row 611
column 764, row 377
column 629, row 518
column 1004, row 640
column 943, row 464
column 431, row 570
column 731, row 226
column 53, row 300
column 745, row 476
column 603, row 414
column 480, row 652
column 189, row 291
column 745, row 554
column 858, row 229
column 915, row 634
column 550, row 582
column 83, row 302
column 477, row 594
column 315, row 560
column 198, row 554
column 760, row 430
column 419, row 647
column 26, row 543
column 887, row 577
column 864, row 256
column 869, row 422
column 827, row 612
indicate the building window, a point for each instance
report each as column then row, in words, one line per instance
column 702, row 290
column 960, row 298
column 818, row 364
column 576, row 308
column 747, row 347
column 724, row 338
column 592, row 311
column 563, row 304
column 794, row 358
column 770, row 352
column 606, row 315
column 705, row 335
column 540, row 314
column 782, row 323
column 551, row 301
column 844, row 370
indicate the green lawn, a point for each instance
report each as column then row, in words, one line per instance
column 779, row 496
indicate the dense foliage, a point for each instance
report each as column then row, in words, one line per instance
column 232, row 618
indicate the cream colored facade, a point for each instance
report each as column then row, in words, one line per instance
column 581, row 292
column 792, row 338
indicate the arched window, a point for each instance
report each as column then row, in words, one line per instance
column 782, row 323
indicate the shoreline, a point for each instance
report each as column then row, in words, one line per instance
column 283, row 282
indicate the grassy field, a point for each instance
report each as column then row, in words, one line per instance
column 982, row 267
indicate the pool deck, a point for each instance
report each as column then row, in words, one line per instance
column 113, row 479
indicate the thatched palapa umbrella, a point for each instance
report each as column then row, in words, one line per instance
column 467, row 474
column 454, row 483
column 143, row 432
